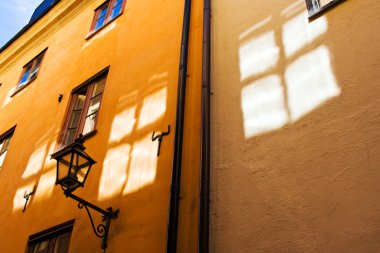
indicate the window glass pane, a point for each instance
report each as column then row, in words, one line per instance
column 41, row 247
column 89, row 124
column 103, row 11
column 24, row 77
column 315, row 5
column 70, row 136
column 34, row 71
column 80, row 100
column 101, row 16
column 62, row 244
column 94, row 105
column 99, row 23
column 117, row 8
column 4, row 145
column 99, row 87
column 2, row 157
column 75, row 117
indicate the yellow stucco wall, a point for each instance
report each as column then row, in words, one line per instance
column 142, row 48
column 295, row 127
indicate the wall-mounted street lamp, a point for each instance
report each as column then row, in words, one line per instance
column 73, row 167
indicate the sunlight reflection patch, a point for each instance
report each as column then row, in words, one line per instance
column 153, row 108
column 258, row 55
column 46, row 185
column 114, row 171
column 310, row 82
column 143, row 167
column 263, row 106
column 35, row 162
column 298, row 32
column 123, row 124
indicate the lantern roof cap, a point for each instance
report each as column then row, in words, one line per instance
column 76, row 145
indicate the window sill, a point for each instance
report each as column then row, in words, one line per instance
column 23, row 87
column 324, row 9
column 93, row 33
column 89, row 134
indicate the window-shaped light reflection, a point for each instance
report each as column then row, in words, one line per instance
column 114, row 172
column 258, row 55
column 310, row 82
column 143, row 169
column 123, row 124
column 298, row 32
column 153, row 108
column 35, row 162
column 263, row 106
column 46, row 184
column 8, row 97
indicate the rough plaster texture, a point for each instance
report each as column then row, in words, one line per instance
column 309, row 182
column 142, row 48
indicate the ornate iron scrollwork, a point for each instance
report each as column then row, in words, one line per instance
column 100, row 230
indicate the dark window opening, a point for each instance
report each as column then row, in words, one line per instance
column 52, row 240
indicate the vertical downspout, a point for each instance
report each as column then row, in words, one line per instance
column 204, row 205
column 178, row 138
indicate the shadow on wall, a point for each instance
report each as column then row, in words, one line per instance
column 271, row 99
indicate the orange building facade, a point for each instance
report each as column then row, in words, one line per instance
column 289, row 158
column 108, row 70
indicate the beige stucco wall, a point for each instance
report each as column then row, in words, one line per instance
column 295, row 128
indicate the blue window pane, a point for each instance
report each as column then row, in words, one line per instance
column 24, row 78
column 117, row 2
column 99, row 23
column 116, row 11
column 103, row 12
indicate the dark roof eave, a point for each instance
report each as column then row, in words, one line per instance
column 26, row 28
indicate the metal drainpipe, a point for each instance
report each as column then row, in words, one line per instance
column 178, row 138
column 204, row 202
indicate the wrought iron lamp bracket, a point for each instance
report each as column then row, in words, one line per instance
column 102, row 229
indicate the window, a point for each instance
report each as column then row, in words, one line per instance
column 317, row 6
column 106, row 13
column 84, row 109
column 5, row 139
column 53, row 240
column 30, row 70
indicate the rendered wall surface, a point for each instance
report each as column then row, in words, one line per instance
column 142, row 48
column 295, row 128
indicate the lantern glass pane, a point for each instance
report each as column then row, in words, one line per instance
column 63, row 166
column 80, row 167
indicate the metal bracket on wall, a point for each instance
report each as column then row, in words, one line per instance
column 27, row 197
column 159, row 137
